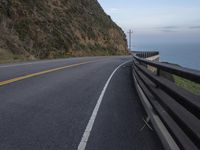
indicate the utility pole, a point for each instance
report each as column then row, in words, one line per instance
column 130, row 32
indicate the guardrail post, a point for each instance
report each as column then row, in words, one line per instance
column 158, row 72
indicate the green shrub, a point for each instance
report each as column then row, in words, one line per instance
column 23, row 28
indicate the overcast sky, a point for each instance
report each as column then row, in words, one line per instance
column 153, row 21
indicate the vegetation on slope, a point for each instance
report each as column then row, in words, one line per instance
column 182, row 82
column 57, row 28
column 188, row 85
column 8, row 57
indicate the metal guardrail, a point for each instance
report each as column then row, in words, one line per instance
column 173, row 111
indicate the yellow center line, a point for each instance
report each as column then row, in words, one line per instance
column 41, row 73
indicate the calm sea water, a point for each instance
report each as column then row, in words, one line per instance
column 186, row 55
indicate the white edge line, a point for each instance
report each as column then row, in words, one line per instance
column 86, row 134
column 30, row 63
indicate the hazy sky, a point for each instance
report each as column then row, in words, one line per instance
column 162, row 21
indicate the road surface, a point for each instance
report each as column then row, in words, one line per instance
column 51, row 105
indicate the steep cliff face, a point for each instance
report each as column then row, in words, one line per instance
column 55, row 28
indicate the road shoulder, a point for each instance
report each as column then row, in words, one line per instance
column 120, row 118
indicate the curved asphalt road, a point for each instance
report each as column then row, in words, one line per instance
column 46, row 105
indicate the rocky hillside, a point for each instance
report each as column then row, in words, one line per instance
column 56, row 28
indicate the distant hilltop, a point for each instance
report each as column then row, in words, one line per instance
column 56, row 28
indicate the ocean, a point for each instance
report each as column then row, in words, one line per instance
column 186, row 55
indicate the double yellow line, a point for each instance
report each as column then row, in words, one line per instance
column 41, row 73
